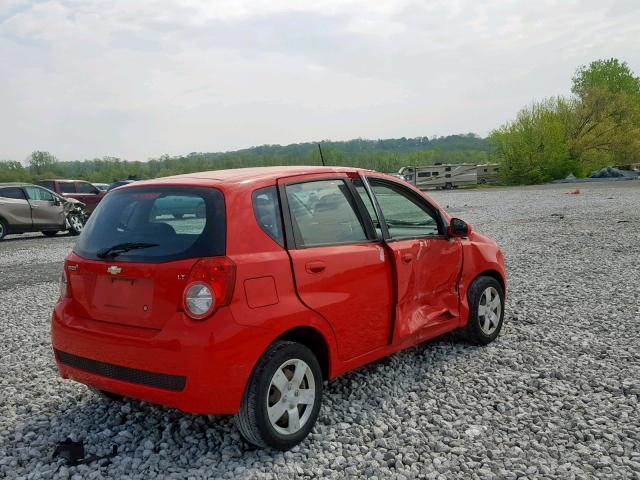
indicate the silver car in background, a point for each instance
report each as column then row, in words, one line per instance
column 30, row 208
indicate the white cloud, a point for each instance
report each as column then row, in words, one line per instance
column 137, row 79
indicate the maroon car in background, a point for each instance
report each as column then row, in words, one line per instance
column 81, row 190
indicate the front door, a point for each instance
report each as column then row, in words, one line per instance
column 341, row 269
column 426, row 261
column 46, row 211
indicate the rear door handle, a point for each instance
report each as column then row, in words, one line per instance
column 315, row 267
column 407, row 257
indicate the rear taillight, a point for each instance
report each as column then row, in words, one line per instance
column 210, row 286
column 64, row 285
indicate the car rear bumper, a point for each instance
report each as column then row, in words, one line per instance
column 197, row 367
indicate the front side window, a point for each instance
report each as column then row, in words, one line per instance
column 266, row 208
column 12, row 192
column 405, row 215
column 323, row 213
column 167, row 223
column 87, row 188
column 35, row 193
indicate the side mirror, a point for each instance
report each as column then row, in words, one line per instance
column 459, row 228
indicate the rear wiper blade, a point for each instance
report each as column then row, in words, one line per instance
column 122, row 248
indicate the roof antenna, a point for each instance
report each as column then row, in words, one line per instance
column 321, row 156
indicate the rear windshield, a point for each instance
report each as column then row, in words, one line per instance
column 163, row 224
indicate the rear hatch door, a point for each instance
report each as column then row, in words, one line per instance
column 132, row 261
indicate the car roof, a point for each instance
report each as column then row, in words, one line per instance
column 60, row 180
column 14, row 184
column 245, row 175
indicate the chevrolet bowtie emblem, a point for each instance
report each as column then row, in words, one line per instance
column 114, row 270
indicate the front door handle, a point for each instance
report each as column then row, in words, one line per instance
column 315, row 267
column 407, row 257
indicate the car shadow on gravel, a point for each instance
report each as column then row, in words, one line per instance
column 34, row 238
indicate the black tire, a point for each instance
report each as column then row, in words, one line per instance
column 448, row 186
column 474, row 332
column 3, row 229
column 50, row 233
column 253, row 420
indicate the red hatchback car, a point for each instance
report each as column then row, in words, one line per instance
column 274, row 281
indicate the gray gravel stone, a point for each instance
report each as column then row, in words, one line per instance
column 556, row 396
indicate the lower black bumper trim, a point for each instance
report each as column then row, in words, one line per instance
column 175, row 383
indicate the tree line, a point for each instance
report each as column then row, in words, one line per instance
column 386, row 155
column 597, row 125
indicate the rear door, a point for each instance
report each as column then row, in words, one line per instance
column 341, row 270
column 46, row 211
column 15, row 209
column 427, row 263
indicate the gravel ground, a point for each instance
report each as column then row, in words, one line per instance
column 556, row 396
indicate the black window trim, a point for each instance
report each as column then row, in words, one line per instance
column 420, row 201
column 353, row 199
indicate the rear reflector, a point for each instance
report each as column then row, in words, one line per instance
column 141, row 377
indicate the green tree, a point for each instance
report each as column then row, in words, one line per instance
column 612, row 74
column 604, row 129
column 12, row 171
column 533, row 148
column 41, row 162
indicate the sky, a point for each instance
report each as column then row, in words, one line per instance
column 138, row 79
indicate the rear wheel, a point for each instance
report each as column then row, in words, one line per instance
column 282, row 398
column 486, row 311
column 50, row 233
column 3, row 229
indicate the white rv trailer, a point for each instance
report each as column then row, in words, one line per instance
column 488, row 173
column 441, row 176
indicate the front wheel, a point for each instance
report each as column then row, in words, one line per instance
column 76, row 223
column 486, row 311
column 282, row 398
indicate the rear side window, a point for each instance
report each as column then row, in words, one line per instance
column 172, row 223
column 67, row 187
column 323, row 213
column 12, row 192
column 266, row 208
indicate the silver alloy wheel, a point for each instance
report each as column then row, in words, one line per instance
column 76, row 222
column 1, row 229
column 291, row 396
column 489, row 310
